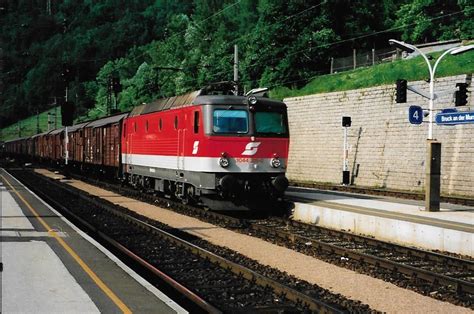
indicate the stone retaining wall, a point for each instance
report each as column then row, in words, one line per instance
column 385, row 149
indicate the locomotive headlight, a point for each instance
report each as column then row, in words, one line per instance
column 275, row 162
column 224, row 160
column 252, row 100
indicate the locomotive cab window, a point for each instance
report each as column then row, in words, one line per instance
column 230, row 121
column 196, row 122
column 270, row 123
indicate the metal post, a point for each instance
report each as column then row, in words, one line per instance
column 433, row 176
column 236, row 69
column 354, row 61
column 37, row 122
column 430, row 126
column 345, row 159
column 373, row 56
column 66, row 139
column 331, row 70
column 66, row 143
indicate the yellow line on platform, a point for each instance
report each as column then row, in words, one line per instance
column 120, row 304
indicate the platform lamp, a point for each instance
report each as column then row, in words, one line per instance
column 346, row 123
column 433, row 156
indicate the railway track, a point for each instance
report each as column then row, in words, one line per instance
column 383, row 192
column 437, row 270
column 441, row 276
column 210, row 282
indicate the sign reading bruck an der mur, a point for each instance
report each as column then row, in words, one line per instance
column 452, row 118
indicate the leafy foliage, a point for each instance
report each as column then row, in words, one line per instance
column 160, row 48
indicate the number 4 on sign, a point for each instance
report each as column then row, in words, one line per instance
column 415, row 115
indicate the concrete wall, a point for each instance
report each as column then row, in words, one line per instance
column 386, row 150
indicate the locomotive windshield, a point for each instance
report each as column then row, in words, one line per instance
column 230, row 121
column 270, row 123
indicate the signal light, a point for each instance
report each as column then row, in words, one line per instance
column 67, row 74
column 346, row 122
column 67, row 113
column 114, row 85
column 401, row 95
column 461, row 94
column 64, row 24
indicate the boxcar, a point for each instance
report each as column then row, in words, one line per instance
column 102, row 143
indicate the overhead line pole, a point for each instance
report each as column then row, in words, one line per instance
column 236, row 67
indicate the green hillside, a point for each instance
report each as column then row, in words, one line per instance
column 386, row 73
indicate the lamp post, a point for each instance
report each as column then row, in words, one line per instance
column 433, row 156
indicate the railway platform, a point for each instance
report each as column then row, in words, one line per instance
column 50, row 266
column 387, row 218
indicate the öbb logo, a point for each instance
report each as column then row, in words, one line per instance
column 251, row 149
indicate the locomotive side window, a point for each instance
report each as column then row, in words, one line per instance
column 135, row 127
column 176, row 122
column 230, row 121
column 160, row 124
column 146, row 126
column 196, row 122
column 270, row 123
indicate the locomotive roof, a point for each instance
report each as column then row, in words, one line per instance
column 235, row 100
column 165, row 104
column 205, row 96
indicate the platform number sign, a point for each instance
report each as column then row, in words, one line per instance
column 415, row 115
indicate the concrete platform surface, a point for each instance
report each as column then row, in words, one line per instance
column 50, row 266
column 401, row 221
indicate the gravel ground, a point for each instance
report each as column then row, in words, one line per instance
column 379, row 295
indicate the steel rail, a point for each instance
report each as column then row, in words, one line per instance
column 291, row 294
column 411, row 251
column 278, row 288
column 191, row 296
column 461, row 285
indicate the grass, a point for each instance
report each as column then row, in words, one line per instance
column 381, row 74
column 28, row 126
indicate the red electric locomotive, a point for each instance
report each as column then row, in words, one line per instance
column 208, row 146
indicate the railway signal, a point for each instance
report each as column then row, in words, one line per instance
column 67, row 113
column 115, row 85
column 67, row 74
column 401, row 94
column 461, row 94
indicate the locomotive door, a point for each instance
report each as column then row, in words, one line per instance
column 181, row 141
column 126, row 138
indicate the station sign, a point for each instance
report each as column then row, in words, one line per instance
column 415, row 114
column 453, row 118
